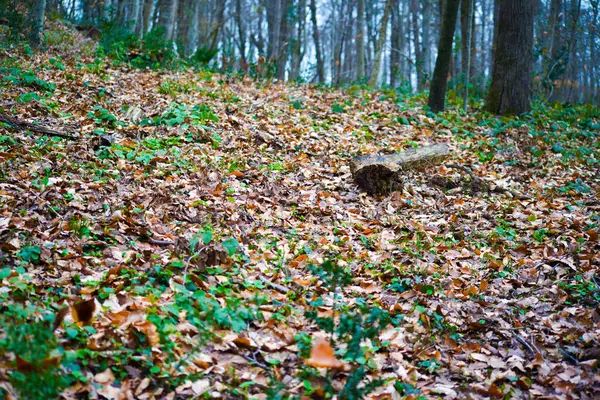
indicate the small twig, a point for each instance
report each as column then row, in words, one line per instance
column 524, row 343
column 161, row 242
column 24, row 125
column 256, row 362
column 187, row 262
column 485, row 185
column 566, row 353
column 276, row 286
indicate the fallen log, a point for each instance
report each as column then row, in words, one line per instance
column 24, row 125
column 379, row 174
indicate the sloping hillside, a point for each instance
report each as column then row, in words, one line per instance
column 201, row 232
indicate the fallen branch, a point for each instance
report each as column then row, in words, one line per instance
column 24, row 125
column 485, row 186
column 379, row 174
column 280, row 288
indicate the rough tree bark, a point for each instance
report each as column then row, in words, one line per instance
column 437, row 93
column 510, row 90
column 317, row 40
column 379, row 174
column 36, row 21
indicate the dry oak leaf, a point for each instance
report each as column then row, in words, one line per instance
column 83, row 311
column 149, row 330
column 322, row 356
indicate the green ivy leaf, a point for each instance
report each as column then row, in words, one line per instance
column 207, row 236
column 231, row 245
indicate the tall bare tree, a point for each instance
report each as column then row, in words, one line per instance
column 317, row 42
column 437, row 93
column 379, row 46
column 360, row 40
column 510, row 90
column 36, row 20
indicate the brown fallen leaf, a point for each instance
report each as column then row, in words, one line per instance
column 323, row 356
column 149, row 330
column 83, row 311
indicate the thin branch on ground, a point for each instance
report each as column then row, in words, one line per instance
column 24, row 125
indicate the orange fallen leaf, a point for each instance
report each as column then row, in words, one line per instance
column 323, row 356
column 149, row 330
column 83, row 311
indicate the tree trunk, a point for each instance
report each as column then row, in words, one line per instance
column 379, row 46
column 426, row 44
column 298, row 48
column 148, row 10
column 396, row 44
column 414, row 11
column 273, row 27
column 241, row 32
column 465, row 8
column 437, row 93
column 282, row 52
column 510, row 90
column 184, row 21
column 316, row 39
column 217, row 25
column 107, row 10
column 360, row 41
column 348, row 70
column 36, row 22
column 135, row 15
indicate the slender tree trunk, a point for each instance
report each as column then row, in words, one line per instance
column 107, row 10
column 465, row 8
column 379, row 46
column 147, row 16
column 135, row 15
column 173, row 5
column 348, row 70
column 482, row 46
column 414, row 10
column 338, row 40
column 360, row 41
column 426, row 44
column 468, row 39
column 437, row 93
column 282, row 53
column 513, row 59
column 316, row 39
column 36, row 22
column 297, row 51
column 396, row 38
column 274, row 25
column 241, row 32
column 184, row 21
column 217, row 25
column 593, row 59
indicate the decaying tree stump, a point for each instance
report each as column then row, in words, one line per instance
column 379, row 174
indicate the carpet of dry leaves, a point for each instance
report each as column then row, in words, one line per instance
column 485, row 284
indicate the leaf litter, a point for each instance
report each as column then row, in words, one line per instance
column 188, row 248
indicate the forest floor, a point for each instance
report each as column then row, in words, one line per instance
column 217, row 235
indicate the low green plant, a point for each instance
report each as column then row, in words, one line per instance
column 103, row 117
column 179, row 114
column 354, row 326
column 36, row 372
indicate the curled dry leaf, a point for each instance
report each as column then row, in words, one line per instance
column 148, row 329
column 83, row 311
column 323, row 356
